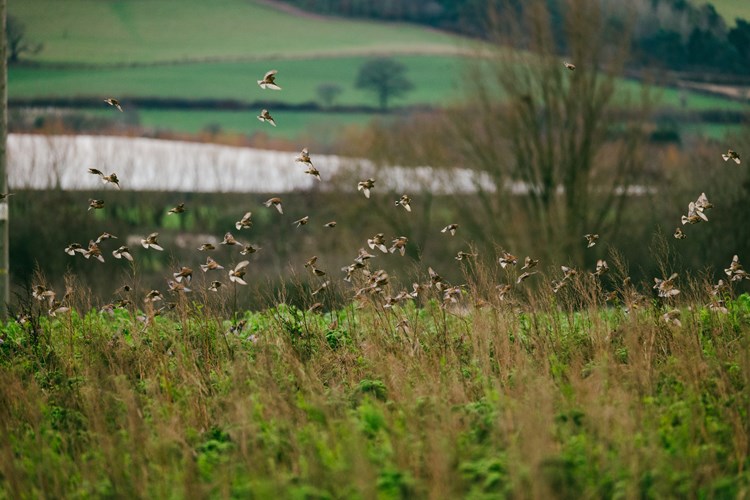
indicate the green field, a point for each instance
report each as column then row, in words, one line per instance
column 730, row 9
column 93, row 31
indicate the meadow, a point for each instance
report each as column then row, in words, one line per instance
column 532, row 395
column 731, row 9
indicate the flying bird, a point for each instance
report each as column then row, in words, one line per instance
column 313, row 171
column 508, row 259
column 450, row 228
column 247, row 248
column 365, row 186
column 229, row 240
column 404, row 202
column 731, row 155
column 304, row 157
column 399, row 244
column 177, row 210
column 591, row 239
column 185, row 273
column 276, row 202
column 378, row 241
column 210, row 265
column 679, row 234
column 245, row 222
column 331, row 224
column 151, row 242
column 96, row 204
column 73, row 248
column 105, row 236
column 206, row 247
column 301, row 222
column 570, row 66
column 123, row 253
column 528, row 263
column 265, row 116
column 269, row 81
column 93, row 251
column 237, row 274
column 113, row 102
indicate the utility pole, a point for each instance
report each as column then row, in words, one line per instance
column 4, row 260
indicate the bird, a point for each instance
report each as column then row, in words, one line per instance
column 330, row 224
column 276, row 202
column 93, row 251
column 304, row 157
column 210, row 265
column 269, row 81
column 735, row 270
column 450, row 228
column 666, row 287
column 245, row 222
column 265, row 116
column 105, row 236
column 461, row 255
column 111, row 179
column 363, row 255
column 315, row 308
column 237, row 274
column 301, row 222
column 122, row 253
column 316, row 271
column 525, row 276
column 502, row 291
column 601, row 267
column 321, row 288
column 591, row 239
column 113, row 102
column 672, row 317
column 679, row 234
column 365, row 186
column 229, row 240
column 206, row 247
column 150, row 242
column 702, row 203
column 247, row 248
column 215, row 285
column 177, row 286
column 73, row 248
column 96, row 204
column 694, row 215
column 508, row 259
column 153, row 296
column 378, row 241
column 731, row 155
column 185, row 273
column 568, row 272
column 177, row 209
column 311, row 261
column 399, row 244
column 3, row 196
column 528, row 263
column 404, row 202
column 570, row 66
column 313, row 171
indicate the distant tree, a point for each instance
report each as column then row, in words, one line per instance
column 328, row 92
column 385, row 77
column 17, row 42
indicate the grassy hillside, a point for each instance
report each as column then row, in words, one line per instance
column 93, row 31
column 730, row 9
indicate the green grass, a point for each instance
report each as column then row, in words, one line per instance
column 119, row 31
column 434, row 79
column 495, row 402
column 730, row 9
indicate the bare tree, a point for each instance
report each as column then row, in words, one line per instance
column 385, row 77
column 18, row 44
column 561, row 142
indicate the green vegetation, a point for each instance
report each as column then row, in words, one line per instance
column 527, row 397
column 96, row 32
column 730, row 9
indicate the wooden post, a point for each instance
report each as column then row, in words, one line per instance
column 4, row 260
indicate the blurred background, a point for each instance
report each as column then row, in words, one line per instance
column 466, row 106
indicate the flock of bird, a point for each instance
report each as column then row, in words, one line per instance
column 367, row 283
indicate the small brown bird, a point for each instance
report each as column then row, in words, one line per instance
column 399, row 244
column 315, row 308
column 363, row 255
column 153, row 296
column 245, row 222
column 206, row 247
column 591, row 239
column 247, row 248
column 525, row 276
column 461, row 255
column 185, row 273
column 304, row 157
column 269, row 81
column 365, row 186
column 176, row 210
column 450, row 228
column 96, row 204
column 96, row 172
column 732, row 155
column 672, row 317
column 301, row 222
column 122, row 253
column 265, row 116
column 666, row 288
column 229, row 240
column 94, row 251
column 570, row 66
column 508, row 259
column 568, row 272
column 151, row 242
column 276, row 202
column 316, row 271
column 73, row 248
column 735, row 270
column 679, row 234
column 404, row 202
column 313, row 171
column 215, row 285
column 502, row 291
column 378, row 241
column 113, row 102
column 105, row 236
column 111, row 179
column 311, row 261
column 528, row 263
column 176, row 286
column 331, row 224
column 321, row 288
column 601, row 267
column 237, row 274
column 694, row 215
column 210, row 265
column 702, row 203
